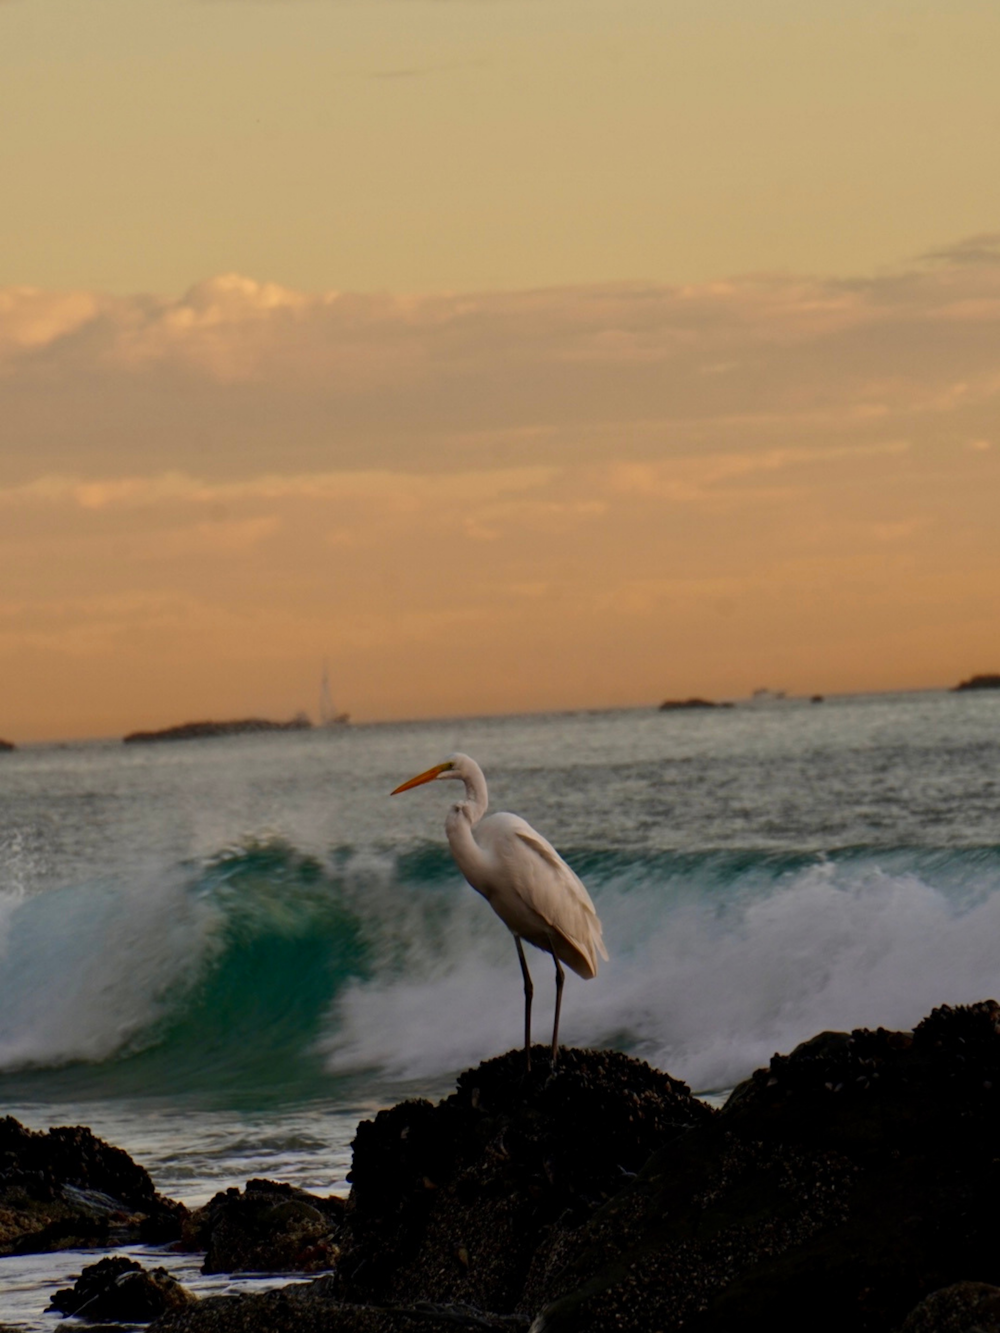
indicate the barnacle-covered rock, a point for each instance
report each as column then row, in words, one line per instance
column 121, row 1290
column 450, row 1202
column 268, row 1227
column 67, row 1189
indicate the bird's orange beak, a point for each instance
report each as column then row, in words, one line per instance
column 421, row 778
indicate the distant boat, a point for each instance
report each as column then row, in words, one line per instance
column 328, row 715
column 766, row 696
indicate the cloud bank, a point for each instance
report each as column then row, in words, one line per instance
column 603, row 494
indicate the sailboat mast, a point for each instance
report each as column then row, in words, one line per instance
column 325, row 699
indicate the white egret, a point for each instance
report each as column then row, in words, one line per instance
column 524, row 879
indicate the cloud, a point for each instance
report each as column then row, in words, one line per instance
column 698, row 479
column 134, row 492
column 31, row 317
column 975, row 250
column 600, row 493
column 256, row 378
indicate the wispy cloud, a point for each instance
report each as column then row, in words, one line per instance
column 134, row 492
column 260, row 377
column 982, row 249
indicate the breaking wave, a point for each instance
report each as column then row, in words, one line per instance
column 268, row 969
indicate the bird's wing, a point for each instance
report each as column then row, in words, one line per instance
column 567, row 877
column 550, row 888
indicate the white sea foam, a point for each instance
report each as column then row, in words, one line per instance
column 85, row 971
column 716, row 962
column 707, row 995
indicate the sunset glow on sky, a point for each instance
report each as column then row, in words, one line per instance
column 512, row 355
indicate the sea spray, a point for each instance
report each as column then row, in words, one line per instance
column 712, row 969
column 88, row 971
column 268, row 963
column 178, row 980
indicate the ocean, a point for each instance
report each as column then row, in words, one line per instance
column 221, row 954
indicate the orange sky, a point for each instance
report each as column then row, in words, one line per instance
column 576, row 497
column 583, row 467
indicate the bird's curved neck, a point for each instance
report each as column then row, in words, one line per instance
column 476, row 796
column 461, row 820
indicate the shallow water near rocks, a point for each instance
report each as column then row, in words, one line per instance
column 31, row 1280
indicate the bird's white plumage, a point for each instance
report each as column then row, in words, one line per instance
column 534, row 892
column 523, row 878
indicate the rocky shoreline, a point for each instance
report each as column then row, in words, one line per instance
column 849, row 1185
column 676, row 705
column 984, row 682
column 196, row 731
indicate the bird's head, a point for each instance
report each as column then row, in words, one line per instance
column 455, row 766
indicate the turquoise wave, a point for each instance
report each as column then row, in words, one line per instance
column 270, row 973
column 242, row 961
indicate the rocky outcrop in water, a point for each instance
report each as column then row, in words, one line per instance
column 66, row 1189
column 986, row 682
column 119, row 1289
column 452, row 1203
column 849, row 1185
column 7, row 746
column 267, row 1226
column 673, row 705
column 862, row 1166
column 193, row 731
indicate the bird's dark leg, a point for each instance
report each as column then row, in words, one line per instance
column 529, row 991
column 560, row 982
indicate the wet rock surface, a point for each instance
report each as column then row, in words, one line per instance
column 121, row 1290
column 66, row 1189
column 450, row 1202
column 849, row 1179
column 267, row 1227
column 966, row 1307
column 315, row 1308
column 851, row 1184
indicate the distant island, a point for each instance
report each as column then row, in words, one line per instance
column 194, row 731
column 671, row 705
column 978, row 683
column 7, row 745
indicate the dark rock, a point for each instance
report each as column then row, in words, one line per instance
column 122, row 1290
column 66, row 1189
column 315, row 1308
column 6, row 746
column 189, row 731
column 862, row 1165
column 967, row 1307
column 450, row 1202
column 987, row 682
column 850, row 1185
column 268, row 1228
column 671, row 705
